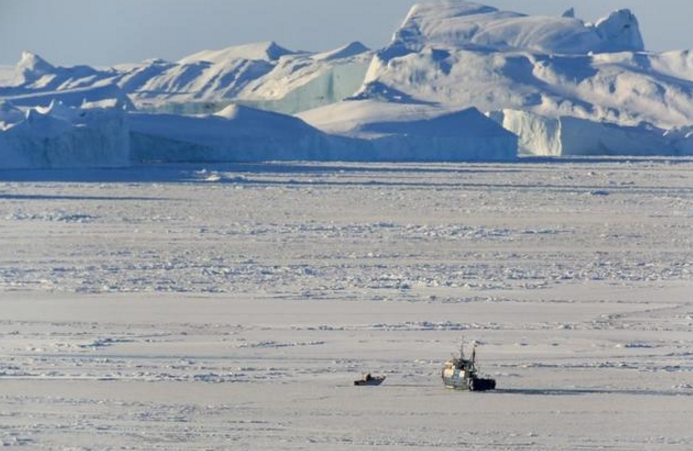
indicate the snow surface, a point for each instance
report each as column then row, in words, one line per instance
column 226, row 307
column 261, row 75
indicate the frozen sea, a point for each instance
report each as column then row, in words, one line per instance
column 230, row 307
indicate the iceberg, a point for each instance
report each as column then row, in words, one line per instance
column 456, row 54
column 553, row 86
column 460, row 24
column 570, row 136
column 235, row 134
column 348, row 51
column 9, row 114
column 108, row 94
column 301, row 83
column 436, row 58
column 569, row 14
column 390, row 131
column 37, row 83
column 261, row 75
column 243, row 134
column 33, row 74
column 63, row 137
column 191, row 88
column 31, row 68
column 264, row 51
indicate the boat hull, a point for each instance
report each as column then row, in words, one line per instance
column 376, row 381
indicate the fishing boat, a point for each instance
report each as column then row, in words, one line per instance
column 370, row 381
column 460, row 373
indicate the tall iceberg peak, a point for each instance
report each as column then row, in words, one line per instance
column 569, row 14
column 31, row 67
column 462, row 24
column 33, row 62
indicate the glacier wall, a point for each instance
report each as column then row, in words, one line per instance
column 46, row 139
column 240, row 134
column 336, row 83
column 570, row 136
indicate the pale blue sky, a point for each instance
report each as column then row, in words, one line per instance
column 103, row 32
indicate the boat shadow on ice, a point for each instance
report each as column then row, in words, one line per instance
column 591, row 391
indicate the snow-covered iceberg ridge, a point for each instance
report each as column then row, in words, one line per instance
column 241, row 134
column 553, row 86
column 60, row 136
column 460, row 24
column 261, row 74
column 455, row 54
